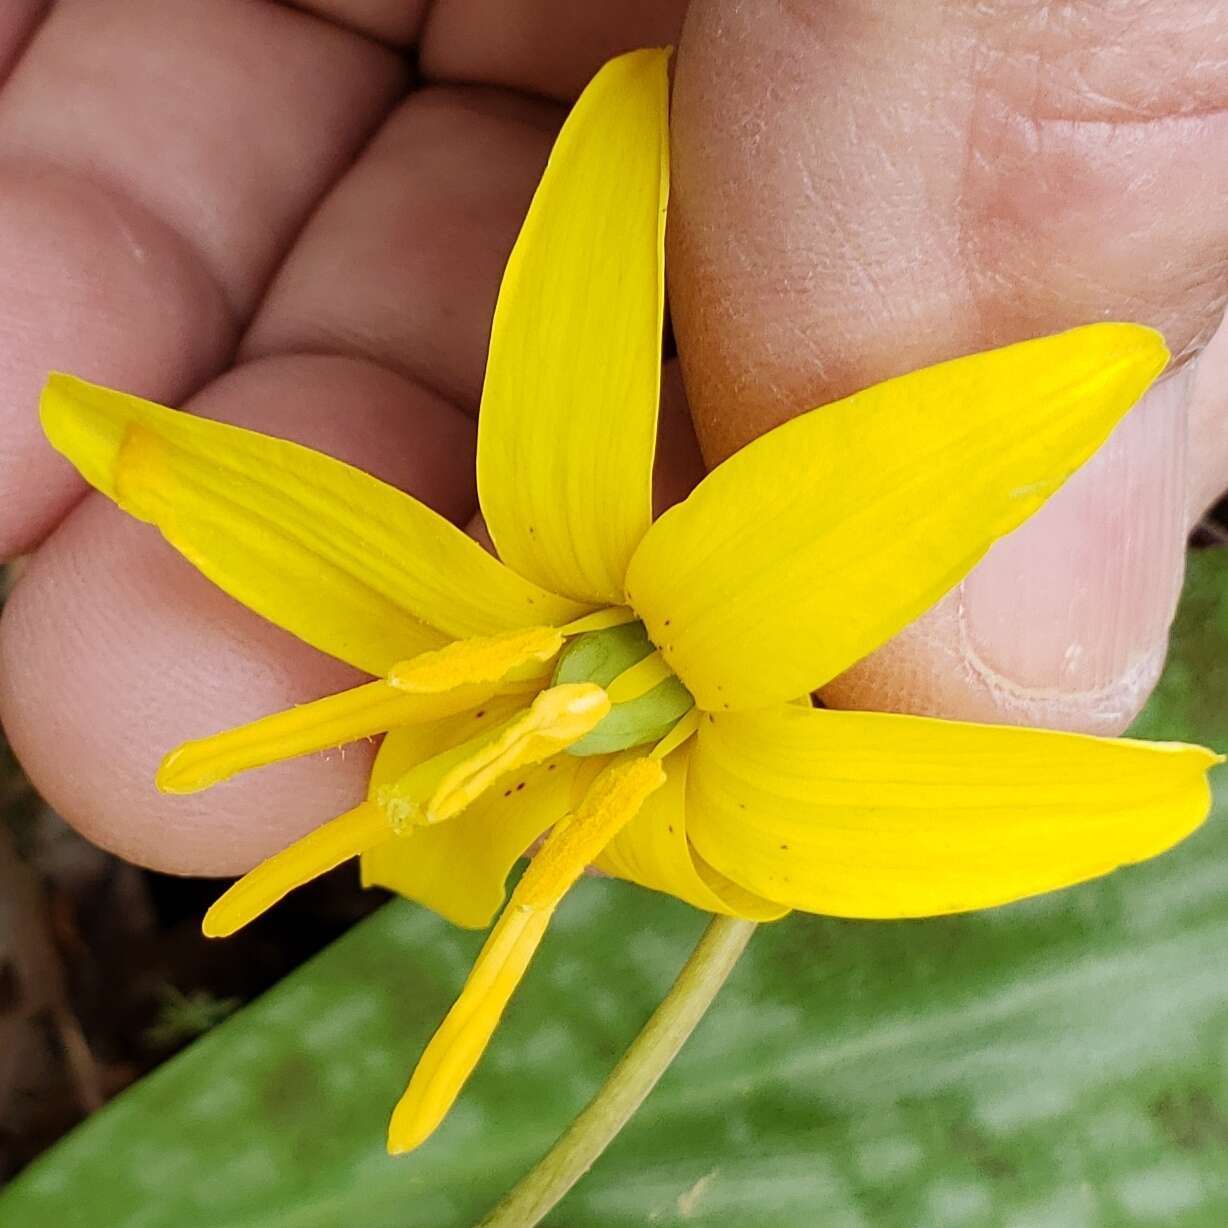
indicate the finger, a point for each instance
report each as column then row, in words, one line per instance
column 155, row 160
column 18, row 20
column 366, row 280
column 396, row 22
column 113, row 646
column 401, row 263
column 679, row 465
column 545, row 47
column 837, row 221
column 181, row 660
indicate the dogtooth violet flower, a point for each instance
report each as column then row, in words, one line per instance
column 637, row 693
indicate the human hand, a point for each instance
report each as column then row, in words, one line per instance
column 239, row 206
column 113, row 650
column 861, row 189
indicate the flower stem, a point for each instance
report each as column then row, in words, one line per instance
column 631, row 1080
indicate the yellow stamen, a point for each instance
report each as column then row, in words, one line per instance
column 613, row 800
column 639, row 679
column 429, row 687
column 602, row 620
column 487, row 660
column 676, row 736
column 557, row 718
column 333, row 721
column 319, row 851
column 404, row 800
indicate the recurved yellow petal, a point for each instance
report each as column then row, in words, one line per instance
column 861, row 814
column 345, row 562
column 459, row 868
column 818, row 541
column 569, row 407
column 654, row 851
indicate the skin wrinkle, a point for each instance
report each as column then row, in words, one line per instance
column 1072, row 176
column 544, row 48
column 476, row 156
column 1082, row 61
column 20, row 21
column 274, row 174
column 1026, row 86
column 394, row 23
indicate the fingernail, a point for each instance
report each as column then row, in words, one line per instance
column 1079, row 599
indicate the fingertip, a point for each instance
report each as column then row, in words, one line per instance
column 112, row 649
column 1065, row 622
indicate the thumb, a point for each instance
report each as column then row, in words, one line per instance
column 861, row 190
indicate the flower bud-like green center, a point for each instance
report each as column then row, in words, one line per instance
column 604, row 656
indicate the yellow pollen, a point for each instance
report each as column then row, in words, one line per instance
column 613, row 799
column 455, row 1049
column 487, row 660
column 639, row 679
column 319, row 851
column 557, row 718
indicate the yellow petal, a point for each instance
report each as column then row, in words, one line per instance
column 459, row 868
column 820, row 540
column 569, row 407
column 861, row 814
column 654, row 851
column 462, row 1038
column 343, row 561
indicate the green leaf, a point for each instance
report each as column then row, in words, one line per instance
column 1055, row 1064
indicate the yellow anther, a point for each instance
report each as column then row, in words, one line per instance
column 319, row 851
column 557, row 718
column 455, row 1049
column 467, row 662
column 612, row 800
column 404, row 800
column 639, row 679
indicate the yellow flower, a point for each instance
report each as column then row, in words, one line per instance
column 640, row 690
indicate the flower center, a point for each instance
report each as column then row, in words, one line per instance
column 611, row 690
column 647, row 700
